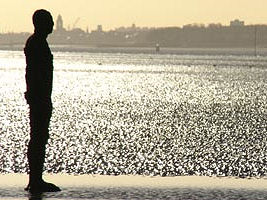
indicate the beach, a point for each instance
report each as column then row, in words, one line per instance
column 138, row 187
column 133, row 118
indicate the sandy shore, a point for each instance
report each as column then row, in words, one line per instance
column 64, row 180
column 136, row 187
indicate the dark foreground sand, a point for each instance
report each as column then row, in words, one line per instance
column 138, row 187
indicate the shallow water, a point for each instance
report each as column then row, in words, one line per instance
column 143, row 114
column 139, row 193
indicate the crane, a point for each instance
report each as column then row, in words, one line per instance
column 75, row 23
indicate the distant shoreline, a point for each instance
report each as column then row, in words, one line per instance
column 147, row 50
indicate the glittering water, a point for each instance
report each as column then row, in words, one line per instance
column 143, row 114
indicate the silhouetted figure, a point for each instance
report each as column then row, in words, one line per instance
column 39, row 77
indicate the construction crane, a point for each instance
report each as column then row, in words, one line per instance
column 75, row 23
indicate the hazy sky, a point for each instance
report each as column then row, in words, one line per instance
column 15, row 15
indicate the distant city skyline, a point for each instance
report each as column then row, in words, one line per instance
column 15, row 16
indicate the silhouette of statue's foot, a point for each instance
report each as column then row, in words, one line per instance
column 42, row 187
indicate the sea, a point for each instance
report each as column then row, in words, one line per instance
column 130, row 111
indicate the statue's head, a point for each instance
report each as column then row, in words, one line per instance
column 43, row 22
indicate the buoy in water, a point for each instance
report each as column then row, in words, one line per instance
column 157, row 48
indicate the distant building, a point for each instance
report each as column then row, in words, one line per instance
column 59, row 26
column 214, row 25
column 195, row 25
column 99, row 28
column 237, row 22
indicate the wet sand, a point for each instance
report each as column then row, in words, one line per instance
column 64, row 180
column 137, row 187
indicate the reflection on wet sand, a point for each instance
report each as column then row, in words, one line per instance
column 138, row 187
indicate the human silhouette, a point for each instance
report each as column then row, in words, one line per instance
column 39, row 78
